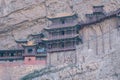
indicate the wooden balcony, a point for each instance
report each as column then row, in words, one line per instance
column 11, row 57
column 28, row 54
column 92, row 21
column 61, row 49
column 62, row 36
column 41, row 55
column 68, row 24
column 38, row 54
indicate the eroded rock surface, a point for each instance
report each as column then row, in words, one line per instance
column 23, row 17
column 19, row 18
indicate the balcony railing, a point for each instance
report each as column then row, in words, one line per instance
column 11, row 57
column 28, row 55
column 41, row 54
column 68, row 24
column 61, row 49
column 94, row 20
column 38, row 54
column 62, row 36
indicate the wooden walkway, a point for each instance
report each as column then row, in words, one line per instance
column 107, row 16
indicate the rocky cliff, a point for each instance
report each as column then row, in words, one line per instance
column 20, row 18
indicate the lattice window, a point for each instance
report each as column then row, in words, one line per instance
column 62, row 32
column 30, row 50
column 62, row 21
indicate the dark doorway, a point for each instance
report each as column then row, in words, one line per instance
column 30, row 50
column 62, row 32
column 63, row 21
column 12, row 54
column 62, row 45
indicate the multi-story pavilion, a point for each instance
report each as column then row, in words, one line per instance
column 63, row 33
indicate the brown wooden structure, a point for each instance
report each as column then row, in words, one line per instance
column 61, row 35
column 11, row 55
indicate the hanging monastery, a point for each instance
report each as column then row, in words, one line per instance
column 63, row 35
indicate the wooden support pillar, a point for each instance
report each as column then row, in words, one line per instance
column 58, row 46
column 57, row 56
column 72, row 31
column 75, row 30
column 51, row 36
column 65, row 33
column 47, row 46
column 57, row 35
column 75, row 42
column 71, row 43
column 63, row 44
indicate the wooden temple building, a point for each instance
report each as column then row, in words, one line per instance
column 61, row 35
column 98, row 13
column 27, row 52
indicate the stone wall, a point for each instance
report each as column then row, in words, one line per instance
column 58, row 58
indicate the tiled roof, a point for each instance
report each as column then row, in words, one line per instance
column 60, row 15
column 21, row 41
column 98, row 6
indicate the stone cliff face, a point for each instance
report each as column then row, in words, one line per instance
column 19, row 18
column 86, row 63
column 89, row 64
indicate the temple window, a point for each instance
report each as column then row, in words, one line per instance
column 68, row 32
column 40, row 50
column 62, row 32
column 90, row 16
column 15, row 54
column 11, row 60
column 61, row 45
column 63, row 21
column 54, row 45
column 54, row 33
column 49, row 46
column 19, row 54
column 68, row 43
column 30, row 50
column 9, row 54
column 41, row 45
column 77, row 31
column 12, row 54
column 1, row 55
